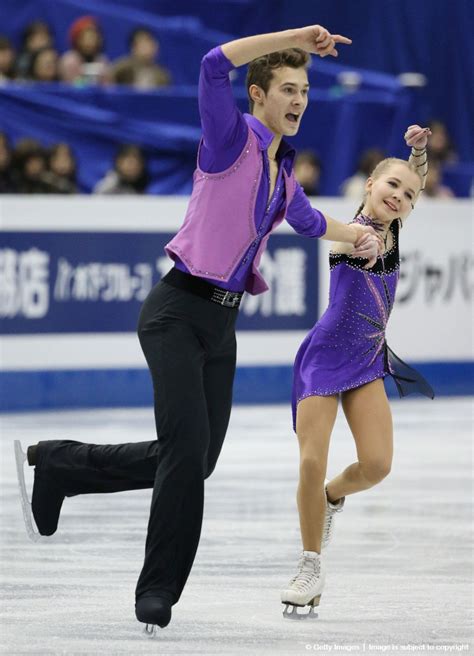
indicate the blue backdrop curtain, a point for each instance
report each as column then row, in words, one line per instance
column 166, row 124
column 392, row 36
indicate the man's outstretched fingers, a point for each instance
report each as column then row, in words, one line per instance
column 338, row 38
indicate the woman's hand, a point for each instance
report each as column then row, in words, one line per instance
column 368, row 244
column 417, row 137
column 319, row 41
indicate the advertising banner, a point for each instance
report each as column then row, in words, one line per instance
column 95, row 282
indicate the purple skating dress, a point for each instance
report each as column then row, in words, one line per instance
column 346, row 348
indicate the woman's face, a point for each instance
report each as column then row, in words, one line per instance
column 62, row 162
column 439, row 138
column 392, row 194
column 46, row 66
column 130, row 167
column 34, row 166
column 38, row 39
column 4, row 154
column 89, row 42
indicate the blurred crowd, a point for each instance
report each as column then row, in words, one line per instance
column 440, row 149
column 440, row 152
column 28, row 167
column 38, row 59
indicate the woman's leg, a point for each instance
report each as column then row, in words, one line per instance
column 315, row 419
column 369, row 417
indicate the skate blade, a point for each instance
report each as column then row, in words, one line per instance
column 150, row 630
column 291, row 610
column 20, row 458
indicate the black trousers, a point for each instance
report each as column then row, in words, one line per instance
column 189, row 345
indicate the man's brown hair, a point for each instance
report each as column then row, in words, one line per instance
column 260, row 70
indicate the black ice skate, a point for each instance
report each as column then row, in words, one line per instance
column 153, row 612
column 41, row 515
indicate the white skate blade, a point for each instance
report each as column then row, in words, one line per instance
column 291, row 613
column 150, row 630
column 20, row 458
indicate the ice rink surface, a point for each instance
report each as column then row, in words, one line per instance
column 399, row 568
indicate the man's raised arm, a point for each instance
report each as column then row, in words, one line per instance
column 314, row 39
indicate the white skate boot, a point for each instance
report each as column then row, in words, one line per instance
column 331, row 510
column 305, row 588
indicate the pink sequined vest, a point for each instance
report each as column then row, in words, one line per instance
column 219, row 225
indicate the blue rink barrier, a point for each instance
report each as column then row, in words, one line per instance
column 106, row 388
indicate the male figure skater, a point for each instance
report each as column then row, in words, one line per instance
column 243, row 188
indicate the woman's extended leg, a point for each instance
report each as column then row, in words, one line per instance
column 314, row 423
column 369, row 417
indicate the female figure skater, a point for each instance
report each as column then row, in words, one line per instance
column 346, row 354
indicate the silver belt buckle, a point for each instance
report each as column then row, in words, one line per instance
column 230, row 299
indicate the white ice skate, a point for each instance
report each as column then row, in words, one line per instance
column 331, row 510
column 31, row 529
column 305, row 588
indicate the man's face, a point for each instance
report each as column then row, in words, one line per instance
column 34, row 167
column 7, row 57
column 145, row 48
column 130, row 167
column 282, row 107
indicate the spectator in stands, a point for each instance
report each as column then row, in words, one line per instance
column 37, row 35
column 129, row 175
column 440, row 146
column 308, row 171
column 62, row 167
column 85, row 63
column 7, row 179
column 140, row 68
column 354, row 187
column 433, row 186
column 7, row 59
column 44, row 65
column 29, row 161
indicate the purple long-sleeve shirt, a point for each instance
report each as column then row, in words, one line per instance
column 224, row 134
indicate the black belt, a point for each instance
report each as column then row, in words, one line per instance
column 200, row 287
